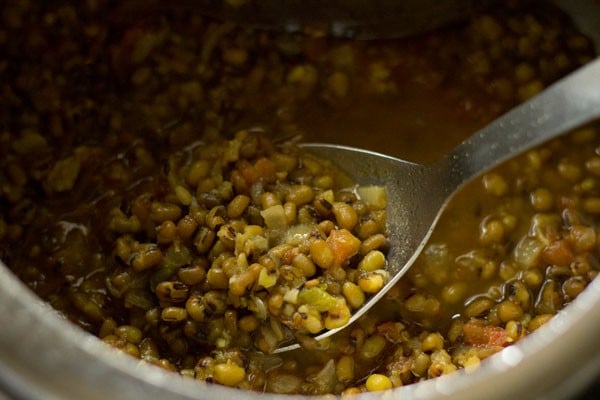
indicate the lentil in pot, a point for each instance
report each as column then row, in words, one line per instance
column 144, row 160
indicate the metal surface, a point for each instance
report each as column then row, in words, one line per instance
column 375, row 19
column 417, row 194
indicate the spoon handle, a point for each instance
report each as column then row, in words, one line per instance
column 567, row 104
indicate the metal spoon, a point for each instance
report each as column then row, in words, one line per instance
column 417, row 194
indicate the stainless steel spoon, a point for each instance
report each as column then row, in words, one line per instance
column 417, row 194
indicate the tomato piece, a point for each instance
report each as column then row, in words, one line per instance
column 343, row 244
column 476, row 333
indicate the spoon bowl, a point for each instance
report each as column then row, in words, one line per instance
column 417, row 194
